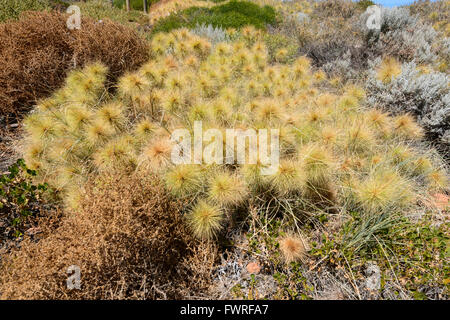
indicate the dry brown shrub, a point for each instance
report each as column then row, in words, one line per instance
column 334, row 8
column 38, row 50
column 129, row 240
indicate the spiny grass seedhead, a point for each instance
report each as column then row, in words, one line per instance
column 388, row 70
column 200, row 112
column 222, row 110
column 191, row 61
column 118, row 153
column 355, row 92
column 259, row 47
column 171, row 63
column 335, row 82
column 253, row 88
column 315, row 115
column 318, row 161
column 329, row 135
column 227, row 189
column 73, row 195
column 384, row 191
column 248, row 32
column 422, row 166
column 279, row 92
column 358, row 138
column 348, row 103
column 304, row 83
column 40, row 126
column 98, row 132
column 153, row 73
column 319, row 76
column 66, row 149
column 287, row 141
column 148, row 70
column 34, row 153
column 406, row 126
column 379, row 121
column 199, row 46
column 290, row 178
column 401, row 155
column 356, row 163
column 84, row 86
column 184, row 180
column 46, row 105
column 223, row 49
column 260, row 60
column 156, row 155
column 174, row 82
column 206, row 86
column 269, row 111
column 67, row 176
column 229, row 95
column 302, row 67
column 78, row 117
column 281, row 55
column 206, row 220
column 172, row 102
column 241, row 58
column 438, row 180
column 253, row 177
column 96, row 69
column 293, row 248
column 144, row 129
column 133, row 85
column 112, row 114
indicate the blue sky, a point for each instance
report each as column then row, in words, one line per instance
column 393, row 3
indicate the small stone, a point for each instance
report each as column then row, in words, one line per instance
column 253, row 268
column 439, row 201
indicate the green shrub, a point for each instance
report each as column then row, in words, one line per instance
column 364, row 4
column 234, row 14
column 19, row 199
column 11, row 9
column 99, row 9
column 134, row 4
column 278, row 42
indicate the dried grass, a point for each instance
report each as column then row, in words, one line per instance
column 38, row 50
column 128, row 239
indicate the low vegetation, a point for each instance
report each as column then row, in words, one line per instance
column 357, row 209
column 234, row 14
column 21, row 201
column 128, row 240
column 38, row 50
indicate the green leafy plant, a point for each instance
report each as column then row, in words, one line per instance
column 19, row 198
column 11, row 9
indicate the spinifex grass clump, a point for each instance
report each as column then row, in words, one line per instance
column 335, row 155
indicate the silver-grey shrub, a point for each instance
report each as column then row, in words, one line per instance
column 401, row 35
column 214, row 34
column 426, row 95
